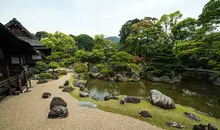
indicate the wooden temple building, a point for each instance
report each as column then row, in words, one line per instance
column 20, row 31
column 17, row 45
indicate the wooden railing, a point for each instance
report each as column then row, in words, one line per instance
column 7, row 83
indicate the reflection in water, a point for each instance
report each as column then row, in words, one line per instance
column 199, row 95
column 189, row 93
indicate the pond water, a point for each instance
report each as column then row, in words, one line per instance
column 199, row 95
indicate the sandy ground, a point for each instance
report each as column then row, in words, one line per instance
column 29, row 112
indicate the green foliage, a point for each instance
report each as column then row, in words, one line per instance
column 97, row 56
column 82, row 55
column 45, row 75
column 84, row 41
column 104, row 68
column 134, row 67
column 122, row 57
column 55, row 56
column 62, row 72
column 69, row 61
column 61, row 64
column 53, row 65
column 41, row 66
column 59, row 42
column 210, row 13
column 41, row 34
column 81, row 67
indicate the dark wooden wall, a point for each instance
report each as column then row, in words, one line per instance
column 18, row 31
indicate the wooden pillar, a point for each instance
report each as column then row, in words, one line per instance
column 19, row 83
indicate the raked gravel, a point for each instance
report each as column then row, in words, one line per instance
column 29, row 112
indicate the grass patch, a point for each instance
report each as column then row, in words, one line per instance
column 160, row 116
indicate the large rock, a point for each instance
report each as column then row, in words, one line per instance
column 106, row 98
column 217, row 81
column 46, row 95
column 55, row 77
column 115, row 97
column 135, row 77
column 58, row 112
column 191, row 116
column 57, row 101
column 95, row 97
column 83, row 94
column 87, row 104
column 204, row 127
column 145, row 114
column 68, row 89
column 41, row 81
column 122, row 102
column 66, row 83
column 175, row 125
column 61, row 87
column 161, row 100
column 132, row 99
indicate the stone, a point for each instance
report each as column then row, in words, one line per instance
column 68, row 89
column 82, row 88
column 55, row 77
column 57, row 101
column 191, row 116
column 146, row 98
column 95, row 97
column 217, row 81
column 132, row 99
column 204, row 127
column 115, row 97
column 87, row 104
column 145, row 114
column 66, row 83
column 41, row 81
column 161, row 100
column 83, row 94
column 122, row 102
column 135, row 77
column 106, row 98
column 46, row 95
column 61, row 87
column 175, row 125
column 58, row 112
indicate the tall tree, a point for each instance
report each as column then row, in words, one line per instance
column 210, row 13
column 84, row 41
column 126, row 29
column 185, row 29
column 41, row 34
column 60, row 42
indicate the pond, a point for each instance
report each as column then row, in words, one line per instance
column 199, row 95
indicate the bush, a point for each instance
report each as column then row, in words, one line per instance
column 104, row 68
column 33, row 70
column 41, row 66
column 45, row 75
column 53, row 65
column 134, row 67
column 61, row 64
column 122, row 57
column 62, row 72
column 69, row 61
column 82, row 56
column 81, row 67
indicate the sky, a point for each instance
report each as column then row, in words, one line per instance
column 90, row 16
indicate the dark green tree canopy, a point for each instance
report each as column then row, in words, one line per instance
column 84, row 41
column 210, row 13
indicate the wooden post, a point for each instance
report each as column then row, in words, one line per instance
column 19, row 83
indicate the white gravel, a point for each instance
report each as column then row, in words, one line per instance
column 29, row 112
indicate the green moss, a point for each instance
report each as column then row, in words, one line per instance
column 160, row 116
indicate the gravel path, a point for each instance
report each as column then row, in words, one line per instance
column 29, row 112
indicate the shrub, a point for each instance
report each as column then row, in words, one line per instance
column 81, row 67
column 45, row 75
column 133, row 67
column 82, row 55
column 61, row 64
column 122, row 57
column 104, row 68
column 33, row 70
column 62, row 72
column 41, row 66
column 53, row 65
column 69, row 61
